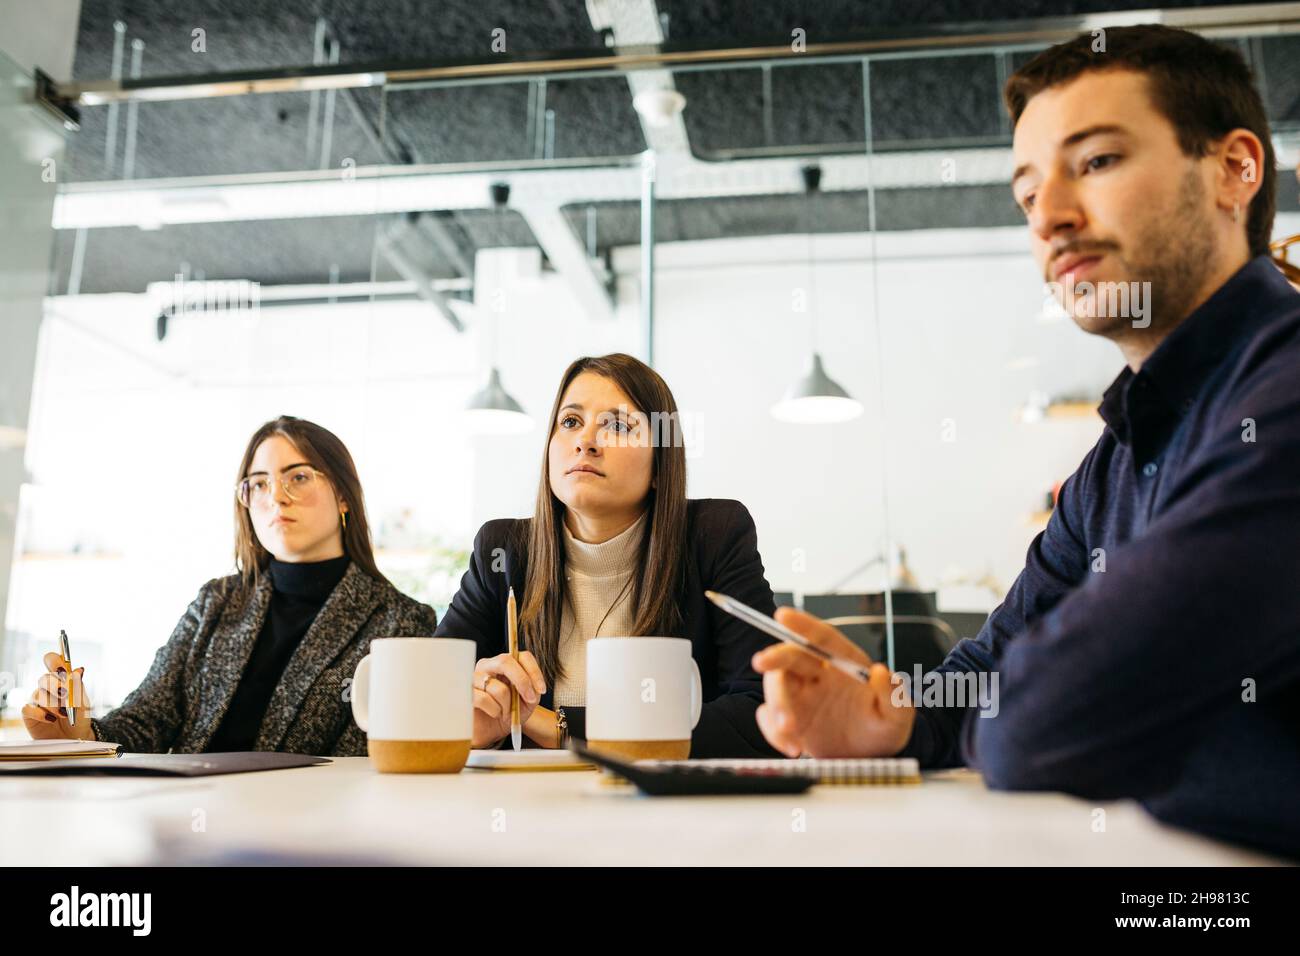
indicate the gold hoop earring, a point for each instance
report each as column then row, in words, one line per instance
column 344, row 516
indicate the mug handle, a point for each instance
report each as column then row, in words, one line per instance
column 697, row 693
column 361, row 693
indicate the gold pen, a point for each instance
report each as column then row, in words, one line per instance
column 66, row 651
column 512, row 625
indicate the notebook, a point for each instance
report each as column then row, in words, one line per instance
column 836, row 772
column 53, row 749
column 165, row 765
column 526, row 760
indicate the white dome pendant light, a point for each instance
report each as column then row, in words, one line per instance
column 815, row 398
column 492, row 410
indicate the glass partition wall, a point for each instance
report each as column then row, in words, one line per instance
column 32, row 161
column 820, row 254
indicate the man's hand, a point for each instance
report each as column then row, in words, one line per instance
column 816, row 709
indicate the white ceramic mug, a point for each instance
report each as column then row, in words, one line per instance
column 643, row 697
column 414, row 697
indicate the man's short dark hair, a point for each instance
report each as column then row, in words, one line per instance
column 1203, row 88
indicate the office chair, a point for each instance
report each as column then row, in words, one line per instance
column 920, row 635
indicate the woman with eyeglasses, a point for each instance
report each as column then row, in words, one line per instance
column 262, row 658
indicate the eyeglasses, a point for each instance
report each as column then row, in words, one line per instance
column 259, row 490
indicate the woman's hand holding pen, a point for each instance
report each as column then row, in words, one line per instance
column 46, row 715
column 494, row 678
column 813, row 708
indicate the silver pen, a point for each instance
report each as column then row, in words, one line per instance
column 782, row 633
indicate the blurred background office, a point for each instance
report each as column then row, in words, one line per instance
column 798, row 212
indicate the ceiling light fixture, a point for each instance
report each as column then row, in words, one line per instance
column 815, row 398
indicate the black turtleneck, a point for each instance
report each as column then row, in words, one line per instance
column 298, row 592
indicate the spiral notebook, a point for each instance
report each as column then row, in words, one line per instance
column 864, row 771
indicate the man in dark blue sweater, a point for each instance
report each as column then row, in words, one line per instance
column 1151, row 647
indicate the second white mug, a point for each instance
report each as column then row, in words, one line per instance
column 643, row 697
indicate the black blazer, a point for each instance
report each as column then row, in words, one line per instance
column 723, row 556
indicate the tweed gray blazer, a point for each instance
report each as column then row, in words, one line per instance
column 194, row 675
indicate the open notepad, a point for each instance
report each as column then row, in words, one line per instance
column 843, row 771
column 56, row 749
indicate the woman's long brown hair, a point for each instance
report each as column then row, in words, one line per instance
column 661, row 562
column 323, row 450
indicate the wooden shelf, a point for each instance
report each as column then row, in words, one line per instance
column 1075, row 410
column 34, row 556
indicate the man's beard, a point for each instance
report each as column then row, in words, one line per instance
column 1173, row 251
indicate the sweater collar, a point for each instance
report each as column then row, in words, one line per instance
column 308, row 580
column 618, row 555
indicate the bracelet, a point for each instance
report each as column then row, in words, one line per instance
column 561, row 728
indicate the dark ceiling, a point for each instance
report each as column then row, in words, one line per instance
column 943, row 101
column 806, row 110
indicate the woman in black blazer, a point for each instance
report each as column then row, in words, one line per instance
column 615, row 548
column 262, row 658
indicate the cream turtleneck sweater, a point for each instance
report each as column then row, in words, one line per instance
column 597, row 576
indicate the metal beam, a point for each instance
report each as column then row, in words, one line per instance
column 409, row 270
column 275, row 196
column 1230, row 21
column 436, row 231
column 636, row 24
column 560, row 244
